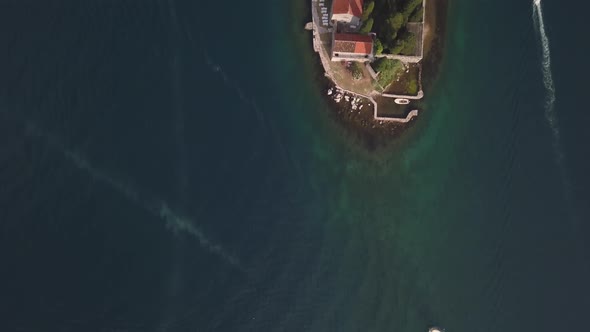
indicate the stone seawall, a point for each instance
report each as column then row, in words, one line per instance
column 407, row 119
column 420, row 95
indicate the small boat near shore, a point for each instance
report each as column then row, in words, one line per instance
column 436, row 329
column 402, row 101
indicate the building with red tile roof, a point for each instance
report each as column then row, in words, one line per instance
column 347, row 11
column 352, row 47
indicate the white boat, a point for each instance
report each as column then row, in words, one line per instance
column 402, row 101
column 436, row 329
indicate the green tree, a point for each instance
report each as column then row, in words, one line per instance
column 410, row 6
column 396, row 21
column 368, row 10
column 388, row 70
column 390, row 29
column 417, row 15
column 367, row 26
column 397, row 47
column 389, row 39
column 356, row 70
column 382, row 65
column 378, row 46
column 409, row 43
column 404, row 44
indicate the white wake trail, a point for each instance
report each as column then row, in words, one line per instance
column 156, row 207
column 550, row 110
column 547, row 78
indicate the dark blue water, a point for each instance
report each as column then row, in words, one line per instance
column 171, row 166
column 111, row 112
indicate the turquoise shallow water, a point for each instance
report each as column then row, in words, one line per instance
column 154, row 180
column 470, row 220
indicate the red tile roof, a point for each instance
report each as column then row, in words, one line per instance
column 353, row 43
column 354, row 7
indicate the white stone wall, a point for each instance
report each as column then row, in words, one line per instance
column 350, row 57
column 347, row 18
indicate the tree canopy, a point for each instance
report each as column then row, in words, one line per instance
column 388, row 19
column 367, row 26
column 408, row 41
column 410, row 6
column 388, row 69
column 378, row 46
column 356, row 70
column 404, row 44
column 396, row 21
column 417, row 15
column 368, row 9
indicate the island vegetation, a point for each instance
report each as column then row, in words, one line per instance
column 395, row 71
column 388, row 70
column 389, row 20
column 356, row 70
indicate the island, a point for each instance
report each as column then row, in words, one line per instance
column 372, row 52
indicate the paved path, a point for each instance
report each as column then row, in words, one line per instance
column 420, row 95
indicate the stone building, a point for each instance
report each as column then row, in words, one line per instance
column 352, row 47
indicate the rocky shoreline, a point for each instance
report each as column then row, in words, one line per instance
column 355, row 113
